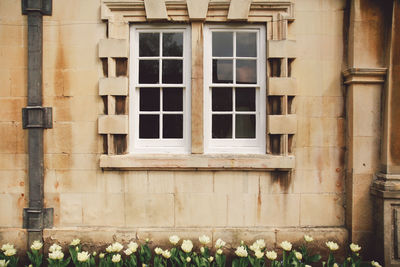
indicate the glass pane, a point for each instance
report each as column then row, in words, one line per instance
column 149, row 99
column 245, row 99
column 172, row 71
column 222, row 44
column 173, row 44
column 222, row 126
column 245, row 126
column 246, row 71
column 148, row 71
column 149, row 44
column 149, row 126
column 173, row 99
column 221, row 99
column 172, row 126
column 222, row 71
column 246, row 44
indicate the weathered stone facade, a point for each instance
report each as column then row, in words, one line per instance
column 335, row 57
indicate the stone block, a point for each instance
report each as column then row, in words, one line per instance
column 22, row 139
column 8, row 133
column 330, row 205
column 200, row 210
column 242, row 210
column 136, row 182
column 320, row 158
column 13, row 181
column 5, row 80
column 161, row 182
column 76, row 137
column 11, row 206
column 197, row 9
column 80, row 83
column 282, row 124
column 306, row 68
column 113, row 48
column 111, row 182
column 160, row 236
column 113, row 124
column 16, row 236
column 281, row 49
column 276, row 183
column 319, row 181
column 70, row 181
column 71, row 161
column 227, row 182
column 113, row 86
column 365, row 157
column 149, row 210
column 282, row 86
column 155, row 9
column 11, row 35
column 77, row 108
column 367, row 113
column 239, row 9
column 11, row 109
column 13, row 161
column 100, row 209
column 13, row 56
column 71, row 209
column 19, row 81
column 278, row 210
column 194, row 181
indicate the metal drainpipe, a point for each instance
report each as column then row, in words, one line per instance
column 36, row 118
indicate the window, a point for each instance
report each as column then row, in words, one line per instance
column 160, row 89
column 235, row 89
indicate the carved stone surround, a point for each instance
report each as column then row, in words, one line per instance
column 281, row 87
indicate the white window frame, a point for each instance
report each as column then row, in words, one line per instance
column 236, row 146
column 164, row 146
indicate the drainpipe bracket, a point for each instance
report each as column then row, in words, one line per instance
column 37, row 117
column 45, row 7
column 35, row 220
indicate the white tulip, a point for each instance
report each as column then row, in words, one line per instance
column 56, row 255
column 332, row 245
column 241, row 251
column 83, row 256
column 219, row 243
column 271, row 255
column 355, row 247
column 116, row 258
column 187, row 246
column 75, row 242
column 36, row 245
column 204, row 239
column 174, row 239
column 286, row 245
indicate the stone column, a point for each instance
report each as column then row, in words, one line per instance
column 364, row 80
column 386, row 186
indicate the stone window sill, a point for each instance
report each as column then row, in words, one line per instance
column 196, row 162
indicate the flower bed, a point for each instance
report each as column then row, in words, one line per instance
column 183, row 255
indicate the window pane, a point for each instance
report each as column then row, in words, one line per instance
column 149, row 126
column 172, row 71
column 222, row 126
column 245, row 99
column 173, row 44
column 246, row 71
column 245, row 126
column 148, row 71
column 246, row 44
column 149, row 44
column 173, row 99
column 222, row 44
column 222, row 71
column 172, row 126
column 149, row 99
column 221, row 99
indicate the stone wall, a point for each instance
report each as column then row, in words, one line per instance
column 106, row 204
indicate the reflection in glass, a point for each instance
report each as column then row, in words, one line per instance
column 148, row 71
column 245, row 126
column 172, row 71
column 245, row 99
column 149, row 99
column 221, row 99
column 149, row 44
column 222, row 44
column 246, row 71
column 222, row 126
column 172, row 126
column 149, row 126
column 246, row 44
column 172, row 99
column 173, row 44
column 222, row 71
